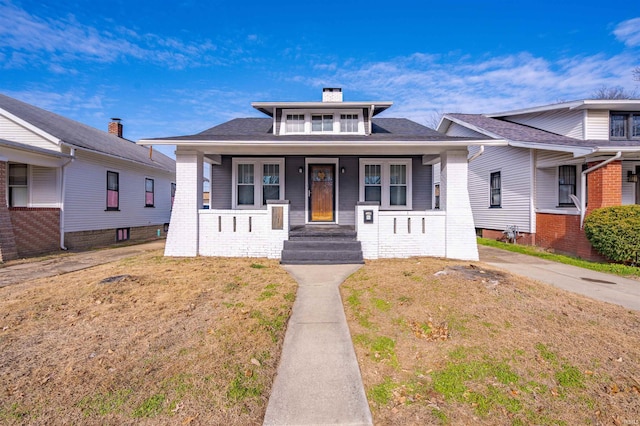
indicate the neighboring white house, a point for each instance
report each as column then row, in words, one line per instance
column 563, row 161
column 67, row 185
column 303, row 182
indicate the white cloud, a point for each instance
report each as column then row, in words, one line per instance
column 41, row 40
column 628, row 32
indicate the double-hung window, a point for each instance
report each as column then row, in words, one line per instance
column 113, row 191
column 322, row 123
column 257, row 180
column 348, row 123
column 566, row 185
column 624, row 125
column 18, row 187
column 387, row 181
column 148, row 192
column 495, row 189
column 295, row 123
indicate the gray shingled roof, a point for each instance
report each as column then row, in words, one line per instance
column 522, row 133
column 82, row 136
column 261, row 129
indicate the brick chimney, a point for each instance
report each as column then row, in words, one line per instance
column 332, row 94
column 115, row 127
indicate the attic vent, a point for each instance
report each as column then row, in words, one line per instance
column 332, row 94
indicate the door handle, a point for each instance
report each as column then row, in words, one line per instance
column 309, row 193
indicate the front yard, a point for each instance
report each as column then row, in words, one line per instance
column 146, row 340
column 442, row 342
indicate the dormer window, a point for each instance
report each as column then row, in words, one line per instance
column 624, row 126
column 348, row 123
column 322, row 123
column 295, row 123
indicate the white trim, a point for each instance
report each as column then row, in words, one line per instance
column 385, row 185
column 258, row 163
column 308, row 114
column 336, row 196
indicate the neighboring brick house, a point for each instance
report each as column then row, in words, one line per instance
column 322, row 182
column 65, row 185
column 563, row 161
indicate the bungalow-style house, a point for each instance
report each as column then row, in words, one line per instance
column 65, row 185
column 322, row 182
column 562, row 161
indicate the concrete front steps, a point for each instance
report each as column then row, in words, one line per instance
column 322, row 245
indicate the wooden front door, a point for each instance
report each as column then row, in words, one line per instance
column 321, row 190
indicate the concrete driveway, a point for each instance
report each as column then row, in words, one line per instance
column 597, row 285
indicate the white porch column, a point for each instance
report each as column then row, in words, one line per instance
column 183, row 236
column 460, row 237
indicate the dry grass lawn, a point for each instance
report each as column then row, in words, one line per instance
column 442, row 342
column 161, row 341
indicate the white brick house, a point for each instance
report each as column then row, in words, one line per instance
column 316, row 168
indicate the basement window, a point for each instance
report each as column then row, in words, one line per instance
column 122, row 234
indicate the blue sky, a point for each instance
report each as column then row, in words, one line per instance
column 178, row 67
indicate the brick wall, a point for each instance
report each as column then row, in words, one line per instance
column 605, row 186
column 523, row 237
column 8, row 250
column 83, row 240
column 36, row 230
column 562, row 234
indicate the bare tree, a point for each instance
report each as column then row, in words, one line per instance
column 636, row 73
column 614, row 92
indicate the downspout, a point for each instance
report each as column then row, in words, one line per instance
column 62, row 197
column 583, row 184
column 477, row 154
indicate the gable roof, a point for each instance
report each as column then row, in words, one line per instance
column 529, row 137
column 78, row 135
column 261, row 129
column 597, row 104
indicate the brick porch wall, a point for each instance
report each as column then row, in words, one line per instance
column 36, row 230
column 83, row 240
column 8, row 249
column 562, row 233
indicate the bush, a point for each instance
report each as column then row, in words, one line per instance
column 615, row 232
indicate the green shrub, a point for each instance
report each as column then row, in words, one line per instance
column 615, row 232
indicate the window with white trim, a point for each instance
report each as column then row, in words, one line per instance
column 322, row 123
column 348, row 123
column 148, row 192
column 18, row 185
column 495, row 189
column 295, row 123
column 387, row 181
column 113, row 191
column 257, row 180
column 624, row 125
column 566, row 185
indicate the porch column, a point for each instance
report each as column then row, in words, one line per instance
column 605, row 186
column 8, row 249
column 183, row 236
column 460, row 237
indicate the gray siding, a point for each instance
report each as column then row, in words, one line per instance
column 422, row 185
column 221, row 185
column 348, row 191
column 294, row 189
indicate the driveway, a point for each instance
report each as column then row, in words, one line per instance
column 597, row 285
column 71, row 262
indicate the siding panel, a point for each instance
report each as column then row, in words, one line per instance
column 45, row 187
column 597, row 125
column 14, row 132
column 562, row 122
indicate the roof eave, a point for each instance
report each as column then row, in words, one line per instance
column 269, row 107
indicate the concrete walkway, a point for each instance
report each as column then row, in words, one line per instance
column 318, row 381
column 597, row 285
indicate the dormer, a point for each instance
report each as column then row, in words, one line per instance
column 332, row 116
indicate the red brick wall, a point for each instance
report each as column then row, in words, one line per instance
column 36, row 230
column 7, row 238
column 605, row 186
column 562, row 234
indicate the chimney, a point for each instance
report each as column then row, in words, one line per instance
column 115, row 127
column 332, row 94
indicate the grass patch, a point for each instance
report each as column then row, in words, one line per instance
column 151, row 406
column 611, row 268
column 382, row 393
column 104, row 403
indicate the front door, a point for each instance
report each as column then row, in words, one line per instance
column 321, row 192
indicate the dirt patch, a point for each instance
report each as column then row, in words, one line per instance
column 144, row 340
column 441, row 342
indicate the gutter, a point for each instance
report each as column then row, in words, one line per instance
column 63, row 191
column 583, row 184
